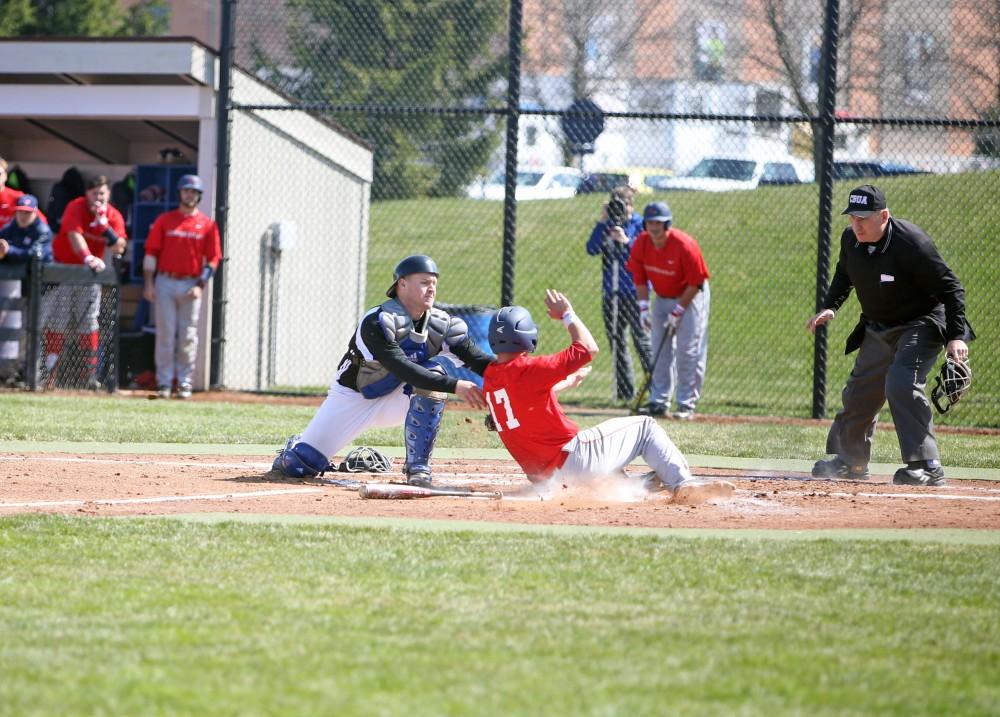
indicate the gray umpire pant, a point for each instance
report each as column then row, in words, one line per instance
column 892, row 364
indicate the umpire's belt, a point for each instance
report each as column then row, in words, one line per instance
column 172, row 275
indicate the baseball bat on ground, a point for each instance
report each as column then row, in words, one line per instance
column 402, row 491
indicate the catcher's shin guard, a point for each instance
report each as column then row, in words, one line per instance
column 421, row 429
column 300, row 460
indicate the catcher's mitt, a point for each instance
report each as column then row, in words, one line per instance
column 951, row 383
column 365, row 460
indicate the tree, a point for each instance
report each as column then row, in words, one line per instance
column 404, row 53
column 83, row 18
column 792, row 26
column 594, row 41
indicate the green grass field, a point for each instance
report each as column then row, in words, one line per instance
column 285, row 616
column 145, row 616
column 761, row 249
column 32, row 417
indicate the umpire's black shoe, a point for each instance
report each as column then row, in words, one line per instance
column 919, row 474
column 838, row 468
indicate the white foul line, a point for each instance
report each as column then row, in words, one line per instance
column 931, row 496
column 163, row 499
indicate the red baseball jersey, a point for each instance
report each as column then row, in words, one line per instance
column 79, row 218
column 528, row 417
column 8, row 196
column 676, row 265
column 183, row 243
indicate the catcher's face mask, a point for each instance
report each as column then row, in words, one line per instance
column 365, row 460
column 950, row 384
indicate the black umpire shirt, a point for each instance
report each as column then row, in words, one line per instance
column 899, row 279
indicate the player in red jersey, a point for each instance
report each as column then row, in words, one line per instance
column 520, row 391
column 91, row 232
column 182, row 253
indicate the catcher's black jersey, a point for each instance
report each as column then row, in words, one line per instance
column 381, row 356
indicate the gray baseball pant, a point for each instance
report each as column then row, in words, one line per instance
column 683, row 359
column 892, row 364
column 176, row 330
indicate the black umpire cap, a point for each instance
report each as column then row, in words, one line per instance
column 865, row 201
column 416, row 264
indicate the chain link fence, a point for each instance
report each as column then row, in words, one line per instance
column 751, row 120
column 60, row 327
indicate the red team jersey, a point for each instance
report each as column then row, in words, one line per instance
column 183, row 244
column 677, row 265
column 78, row 218
column 528, row 417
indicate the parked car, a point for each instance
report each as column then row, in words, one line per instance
column 643, row 179
column 723, row 174
column 851, row 169
column 551, row 183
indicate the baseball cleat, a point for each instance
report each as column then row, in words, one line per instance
column 683, row 414
column 184, row 392
column 163, row 392
column 419, row 478
column 694, row 492
column 838, row 468
column 920, row 475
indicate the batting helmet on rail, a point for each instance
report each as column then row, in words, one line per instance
column 416, row 264
column 951, row 383
column 512, row 330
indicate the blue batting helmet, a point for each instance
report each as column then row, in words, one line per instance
column 416, row 264
column 512, row 330
column 657, row 212
column 191, row 181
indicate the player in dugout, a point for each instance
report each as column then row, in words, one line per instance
column 393, row 373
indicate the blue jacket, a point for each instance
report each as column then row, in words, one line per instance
column 610, row 250
column 24, row 243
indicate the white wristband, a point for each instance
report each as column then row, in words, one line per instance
column 568, row 318
column 644, row 304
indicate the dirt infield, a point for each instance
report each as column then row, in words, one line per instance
column 157, row 485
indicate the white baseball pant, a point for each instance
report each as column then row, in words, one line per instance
column 608, row 447
column 681, row 363
column 345, row 414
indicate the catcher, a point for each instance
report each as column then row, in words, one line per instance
column 392, row 374
column 912, row 306
column 521, row 393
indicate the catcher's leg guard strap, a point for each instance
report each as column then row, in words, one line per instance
column 422, row 423
column 300, row 460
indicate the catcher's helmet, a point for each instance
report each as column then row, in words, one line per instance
column 951, row 383
column 365, row 460
column 416, row 264
column 512, row 330
column 191, row 181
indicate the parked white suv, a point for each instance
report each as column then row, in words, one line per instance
column 551, row 183
column 724, row 174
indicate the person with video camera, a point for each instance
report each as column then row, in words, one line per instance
column 612, row 239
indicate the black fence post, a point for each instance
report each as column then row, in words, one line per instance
column 827, row 123
column 513, row 118
column 223, row 135
column 32, row 352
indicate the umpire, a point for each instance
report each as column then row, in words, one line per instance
column 912, row 305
